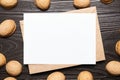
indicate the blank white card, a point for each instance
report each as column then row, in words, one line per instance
column 59, row 38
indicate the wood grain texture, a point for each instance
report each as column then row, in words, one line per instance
column 109, row 17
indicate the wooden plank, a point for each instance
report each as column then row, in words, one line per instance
column 109, row 18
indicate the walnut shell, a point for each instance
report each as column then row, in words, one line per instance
column 56, row 76
column 117, row 47
column 8, row 4
column 106, row 1
column 113, row 67
column 7, row 28
column 2, row 60
column 10, row 78
column 81, row 3
column 85, row 75
column 13, row 68
column 42, row 4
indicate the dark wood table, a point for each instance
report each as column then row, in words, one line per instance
column 109, row 17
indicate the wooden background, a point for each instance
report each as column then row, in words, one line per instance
column 109, row 17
